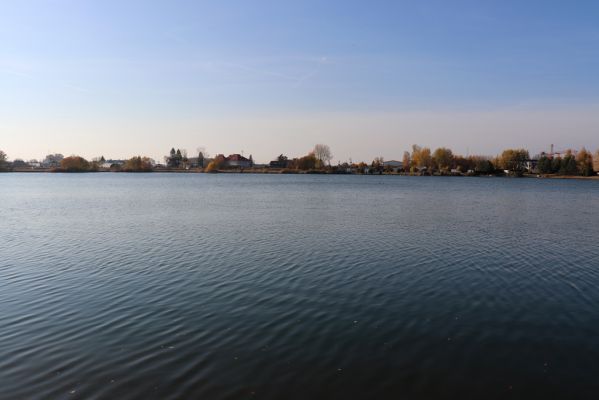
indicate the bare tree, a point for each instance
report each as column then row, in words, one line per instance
column 202, row 149
column 3, row 158
column 323, row 154
column 184, row 158
column 406, row 161
column 53, row 160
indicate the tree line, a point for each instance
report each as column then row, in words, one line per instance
column 443, row 161
column 580, row 164
column 79, row 164
column 512, row 161
column 420, row 161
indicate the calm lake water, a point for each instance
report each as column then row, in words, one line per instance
column 278, row 286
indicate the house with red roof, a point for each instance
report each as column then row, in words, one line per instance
column 234, row 161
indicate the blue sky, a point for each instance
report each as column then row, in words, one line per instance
column 369, row 78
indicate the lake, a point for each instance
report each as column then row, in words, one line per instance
column 233, row 286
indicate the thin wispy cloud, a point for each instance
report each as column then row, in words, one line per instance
column 257, row 70
column 76, row 88
column 16, row 68
column 10, row 71
column 38, row 78
column 296, row 80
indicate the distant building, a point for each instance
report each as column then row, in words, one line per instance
column 393, row 164
column 282, row 161
column 18, row 163
column 279, row 163
column 112, row 164
column 237, row 160
column 531, row 165
column 192, row 162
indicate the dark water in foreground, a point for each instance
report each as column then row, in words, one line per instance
column 238, row 286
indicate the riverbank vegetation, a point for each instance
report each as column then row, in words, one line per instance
column 74, row 164
column 569, row 164
column 138, row 164
column 3, row 161
column 419, row 161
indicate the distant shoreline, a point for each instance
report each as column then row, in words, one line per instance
column 282, row 172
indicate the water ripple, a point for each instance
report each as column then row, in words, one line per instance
column 227, row 287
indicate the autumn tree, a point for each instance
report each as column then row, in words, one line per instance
column 462, row 163
column 415, row 156
column 307, row 162
column 442, row 158
column 421, row 157
column 596, row 161
column 323, row 154
column 584, row 162
column 426, row 159
column 217, row 163
column 74, row 164
column 212, row 167
column 514, row 160
column 138, row 164
column 481, row 165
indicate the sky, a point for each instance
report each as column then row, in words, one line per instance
column 368, row 78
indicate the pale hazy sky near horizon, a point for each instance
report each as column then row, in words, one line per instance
column 121, row 78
